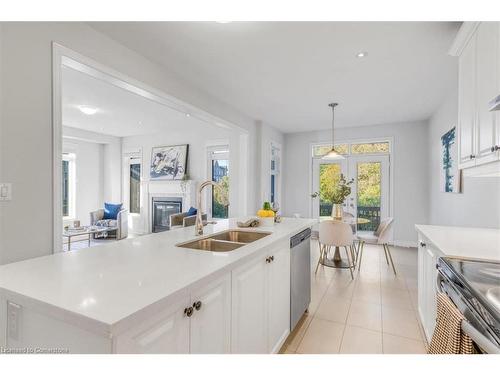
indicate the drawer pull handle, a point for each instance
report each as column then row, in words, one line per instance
column 188, row 311
column 423, row 244
column 197, row 305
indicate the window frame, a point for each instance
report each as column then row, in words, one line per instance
column 275, row 157
column 70, row 157
column 219, row 152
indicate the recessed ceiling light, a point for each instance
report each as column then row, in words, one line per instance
column 87, row 110
column 361, row 54
column 223, row 21
column 188, row 115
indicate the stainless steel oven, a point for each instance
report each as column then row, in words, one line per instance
column 473, row 286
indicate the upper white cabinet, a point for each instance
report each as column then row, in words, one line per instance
column 261, row 302
column 478, row 48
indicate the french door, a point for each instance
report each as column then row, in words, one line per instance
column 370, row 192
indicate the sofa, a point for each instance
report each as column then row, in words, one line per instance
column 121, row 223
column 183, row 220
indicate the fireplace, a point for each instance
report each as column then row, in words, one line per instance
column 162, row 208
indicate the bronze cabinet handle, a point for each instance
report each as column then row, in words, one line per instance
column 423, row 244
column 188, row 311
column 472, row 156
column 197, row 305
column 272, row 258
column 268, row 260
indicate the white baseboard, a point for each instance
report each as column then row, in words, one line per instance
column 403, row 243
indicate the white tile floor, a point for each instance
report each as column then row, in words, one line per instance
column 375, row 313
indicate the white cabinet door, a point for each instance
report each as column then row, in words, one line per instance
column 466, row 103
column 430, row 291
column 279, row 297
column 250, row 307
column 486, row 89
column 422, row 301
column 211, row 322
column 167, row 332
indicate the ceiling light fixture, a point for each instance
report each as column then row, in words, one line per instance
column 361, row 54
column 188, row 115
column 87, row 110
column 223, row 21
column 332, row 154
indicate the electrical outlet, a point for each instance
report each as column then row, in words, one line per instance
column 5, row 191
column 13, row 320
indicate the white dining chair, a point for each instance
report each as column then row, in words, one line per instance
column 336, row 234
column 381, row 236
column 350, row 218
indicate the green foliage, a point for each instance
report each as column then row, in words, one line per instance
column 221, row 198
column 369, row 182
column 333, row 187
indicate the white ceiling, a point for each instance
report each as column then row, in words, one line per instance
column 121, row 113
column 285, row 73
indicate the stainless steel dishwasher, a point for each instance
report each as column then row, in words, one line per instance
column 300, row 275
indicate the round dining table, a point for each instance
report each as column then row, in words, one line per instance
column 337, row 261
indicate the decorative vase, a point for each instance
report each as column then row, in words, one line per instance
column 337, row 211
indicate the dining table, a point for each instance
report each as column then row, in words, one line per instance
column 336, row 261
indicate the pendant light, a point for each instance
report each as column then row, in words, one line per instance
column 332, row 154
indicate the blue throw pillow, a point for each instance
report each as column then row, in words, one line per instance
column 192, row 211
column 111, row 211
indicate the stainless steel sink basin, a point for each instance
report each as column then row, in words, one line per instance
column 240, row 236
column 224, row 241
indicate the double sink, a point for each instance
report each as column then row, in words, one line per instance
column 228, row 240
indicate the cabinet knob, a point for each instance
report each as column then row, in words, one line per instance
column 272, row 258
column 268, row 260
column 472, row 156
column 188, row 311
column 197, row 305
column 493, row 148
column 423, row 244
column 497, row 147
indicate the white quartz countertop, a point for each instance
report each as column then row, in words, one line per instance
column 481, row 243
column 108, row 283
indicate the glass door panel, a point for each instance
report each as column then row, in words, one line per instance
column 369, row 200
column 325, row 176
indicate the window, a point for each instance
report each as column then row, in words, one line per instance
column 219, row 171
column 68, row 185
column 320, row 150
column 370, row 148
column 135, row 186
column 275, row 174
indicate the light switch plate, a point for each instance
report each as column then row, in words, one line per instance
column 5, row 191
column 13, row 320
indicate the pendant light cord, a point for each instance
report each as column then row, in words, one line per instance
column 333, row 105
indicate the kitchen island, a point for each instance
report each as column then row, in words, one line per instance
column 147, row 295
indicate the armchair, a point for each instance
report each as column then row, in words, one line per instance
column 121, row 223
column 182, row 220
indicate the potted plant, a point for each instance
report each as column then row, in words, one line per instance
column 336, row 194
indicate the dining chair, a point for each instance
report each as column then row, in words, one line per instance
column 381, row 236
column 350, row 218
column 336, row 234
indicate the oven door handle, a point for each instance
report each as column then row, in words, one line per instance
column 487, row 345
column 480, row 340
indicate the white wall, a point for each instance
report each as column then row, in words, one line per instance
column 89, row 182
column 198, row 138
column 26, row 120
column 479, row 203
column 409, row 159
